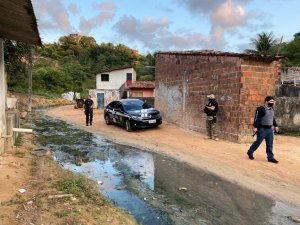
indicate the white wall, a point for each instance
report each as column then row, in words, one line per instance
column 116, row 79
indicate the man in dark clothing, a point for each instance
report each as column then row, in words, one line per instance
column 211, row 110
column 263, row 121
column 88, row 110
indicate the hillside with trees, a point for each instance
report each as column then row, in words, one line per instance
column 69, row 65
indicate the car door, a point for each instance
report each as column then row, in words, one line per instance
column 110, row 110
column 119, row 113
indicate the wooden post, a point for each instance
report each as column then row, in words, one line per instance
column 2, row 98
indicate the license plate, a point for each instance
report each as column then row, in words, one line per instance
column 152, row 121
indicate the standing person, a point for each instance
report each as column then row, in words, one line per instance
column 88, row 110
column 263, row 121
column 211, row 110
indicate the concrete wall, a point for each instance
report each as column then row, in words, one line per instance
column 116, row 79
column 240, row 85
column 287, row 112
column 287, row 107
column 146, row 92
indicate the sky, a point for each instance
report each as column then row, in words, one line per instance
column 169, row 25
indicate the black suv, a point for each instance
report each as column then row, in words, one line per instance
column 132, row 113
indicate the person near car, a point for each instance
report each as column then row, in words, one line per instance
column 264, row 120
column 211, row 110
column 88, row 110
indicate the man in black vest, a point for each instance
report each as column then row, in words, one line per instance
column 88, row 110
column 263, row 121
column 211, row 110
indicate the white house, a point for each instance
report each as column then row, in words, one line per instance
column 112, row 85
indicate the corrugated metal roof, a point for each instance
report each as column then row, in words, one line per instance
column 219, row 53
column 18, row 22
column 142, row 84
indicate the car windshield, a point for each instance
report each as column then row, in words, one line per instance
column 135, row 105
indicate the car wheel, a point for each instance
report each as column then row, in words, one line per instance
column 107, row 120
column 128, row 125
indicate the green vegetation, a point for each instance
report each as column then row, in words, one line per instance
column 267, row 44
column 264, row 44
column 19, row 138
column 69, row 65
column 80, row 187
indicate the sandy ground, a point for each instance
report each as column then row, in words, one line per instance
column 229, row 160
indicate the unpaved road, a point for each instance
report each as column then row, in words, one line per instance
column 226, row 159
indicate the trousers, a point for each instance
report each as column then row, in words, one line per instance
column 89, row 116
column 266, row 134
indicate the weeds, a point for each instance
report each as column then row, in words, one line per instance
column 19, row 139
column 81, row 187
column 19, row 154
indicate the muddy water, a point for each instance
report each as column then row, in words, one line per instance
column 155, row 189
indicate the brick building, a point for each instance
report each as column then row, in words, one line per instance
column 239, row 81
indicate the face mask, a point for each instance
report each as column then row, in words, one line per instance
column 270, row 104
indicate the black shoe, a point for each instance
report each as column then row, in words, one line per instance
column 91, row 124
column 250, row 156
column 86, row 124
column 273, row 160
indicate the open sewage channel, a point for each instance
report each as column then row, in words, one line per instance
column 155, row 189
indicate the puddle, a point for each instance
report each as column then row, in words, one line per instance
column 155, row 189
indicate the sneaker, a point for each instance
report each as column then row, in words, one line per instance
column 273, row 160
column 216, row 139
column 250, row 156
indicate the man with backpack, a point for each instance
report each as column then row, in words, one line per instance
column 263, row 121
column 211, row 110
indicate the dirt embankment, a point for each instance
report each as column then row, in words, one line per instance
column 52, row 195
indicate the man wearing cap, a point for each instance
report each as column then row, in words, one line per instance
column 263, row 121
column 211, row 110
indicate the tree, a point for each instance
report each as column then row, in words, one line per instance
column 291, row 52
column 264, row 44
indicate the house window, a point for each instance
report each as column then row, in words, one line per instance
column 138, row 94
column 104, row 77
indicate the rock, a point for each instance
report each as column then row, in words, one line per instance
column 182, row 189
column 23, row 114
column 41, row 152
column 294, row 219
column 121, row 187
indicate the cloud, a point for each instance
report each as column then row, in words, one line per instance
column 106, row 13
column 74, row 8
column 225, row 16
column 155, row 35
column 52, row 15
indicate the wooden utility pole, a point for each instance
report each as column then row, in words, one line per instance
column 30, row 82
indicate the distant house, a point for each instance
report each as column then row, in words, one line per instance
column 142, row 89
column 112, row 85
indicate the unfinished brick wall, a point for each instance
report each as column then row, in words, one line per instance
column 183, row 80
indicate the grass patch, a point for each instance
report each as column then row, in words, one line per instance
column 19, row 140
column 81, row 187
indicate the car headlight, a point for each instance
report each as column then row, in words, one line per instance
column 135, row 117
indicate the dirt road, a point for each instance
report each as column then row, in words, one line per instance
column 226, row 159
